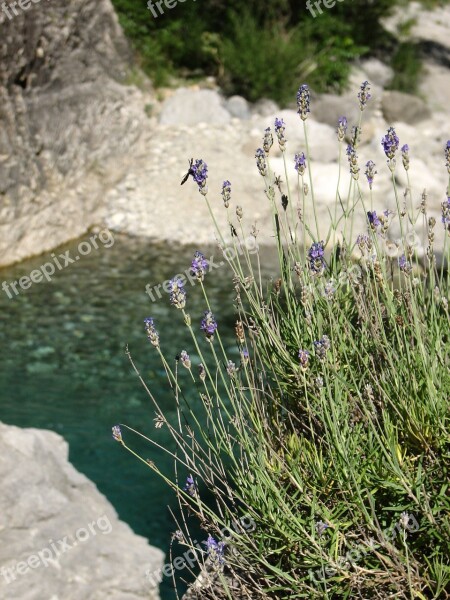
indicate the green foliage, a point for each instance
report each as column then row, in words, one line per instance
column 407, row 65
column 341, row 459
column 233, row 41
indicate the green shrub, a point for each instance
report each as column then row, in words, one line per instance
column 332, row 435
column 231, row 41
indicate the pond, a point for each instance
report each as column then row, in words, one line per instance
column 63, row 364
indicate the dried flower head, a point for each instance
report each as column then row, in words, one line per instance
column 231, row 368
column 353, row 161
column 177, row 293
column 226, row 193
column 447, row 156
column 117, row 433
column 185, row 359
column 303, row 101
column 267, row 140
column 405, row 156
column 370, row 172
column 150, row 329
column 261, row 163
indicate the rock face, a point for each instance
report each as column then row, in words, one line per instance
column 64, row 117
column 60, row 538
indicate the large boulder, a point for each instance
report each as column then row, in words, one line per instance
column 64, row 118
column 398, row 106
column 191, row 107
column 61, row 538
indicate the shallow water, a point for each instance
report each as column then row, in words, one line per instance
column 63, row 365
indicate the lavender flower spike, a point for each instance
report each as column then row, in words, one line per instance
column 447, row 156
column 199, row 172
column 152, row 334
column 342, row 128
column 370, row 172
column 279, row 130
column 267, row 141
column 190, row 486
column 177, row 293
column 215, row 550
column 199, row 266
column 316, row 258
column 364, row 95
column 117, row 433
column 226, row 193
column 300, row 163
column 303, row 101
column 303, row 356
column 209, row 325
column 353, row 161
column 390, row 144
column 405, row 156
column 261, row 163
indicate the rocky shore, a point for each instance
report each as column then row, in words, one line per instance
column 60, row 538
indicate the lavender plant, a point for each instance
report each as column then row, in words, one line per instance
column 332, row 435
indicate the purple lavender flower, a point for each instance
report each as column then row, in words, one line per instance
column 447, row 156
column 215, row 550
column 374, row 221
column 321, row 527
column 199, row 172
column 353, row 161
column 329, row 289
column 199, row 266
column 177, row 293
column 405, row 156
column 303, row 356
column 364, row 95
column 404, row 265
column 280, row 127
column 370, row 172
column 245, row 357
column 316, row 258
column 267, row 140
column 185, row 359
column 150, row 329
column 390, row 144
column 321, row 346
column 260, row 156
column 300, row 163
column 209, row 325
column 190, row 486
column 226, row 193
column 342, row 128
column 117, row 433
column 303, row 101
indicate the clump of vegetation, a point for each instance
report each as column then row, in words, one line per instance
column 251, row 47
column 331, row 437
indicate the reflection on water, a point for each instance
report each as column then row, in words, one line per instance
column 63, row 364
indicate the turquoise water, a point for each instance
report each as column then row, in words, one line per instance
column 63, row 365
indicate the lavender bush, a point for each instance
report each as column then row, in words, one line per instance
column 332, row 433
